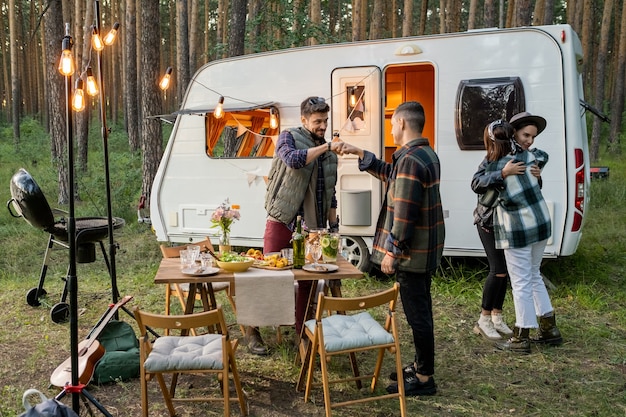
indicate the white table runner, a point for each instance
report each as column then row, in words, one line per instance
column 265, row 297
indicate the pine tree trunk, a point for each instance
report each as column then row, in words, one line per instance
column 132, row 93
column 16, row 99
column 617, row 98
column 151, row 134
column 600, row 78
column 54, row 29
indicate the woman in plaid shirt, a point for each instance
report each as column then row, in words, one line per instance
column 522, row 227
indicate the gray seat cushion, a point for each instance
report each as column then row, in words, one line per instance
column 349, row 332
column 176, row 353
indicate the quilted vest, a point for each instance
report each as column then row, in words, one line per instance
column 287, row 186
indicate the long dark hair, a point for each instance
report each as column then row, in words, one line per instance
column 498, row 139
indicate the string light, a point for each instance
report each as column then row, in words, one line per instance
column 218, row 113
column 96, row 41
column 66, row 65
column 110, row 37
column 165, row 81
column 92, row 85
column 273, row 118
column 353, row 97
column 78, row 100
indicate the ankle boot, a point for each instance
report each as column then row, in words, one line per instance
column 519, row 342
column 548, row 333
column 256, row 345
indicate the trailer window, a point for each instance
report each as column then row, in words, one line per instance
column 481, row 101
column 242, row 134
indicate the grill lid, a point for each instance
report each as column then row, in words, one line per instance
column 29, row 201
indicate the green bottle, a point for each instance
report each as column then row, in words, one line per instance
column 298, row 245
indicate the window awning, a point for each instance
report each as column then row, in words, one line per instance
column 234, row 107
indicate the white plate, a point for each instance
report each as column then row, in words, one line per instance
column 197, row 271
column 327, row 268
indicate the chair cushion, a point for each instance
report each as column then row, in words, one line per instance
column 343, row 332
column 173, row 353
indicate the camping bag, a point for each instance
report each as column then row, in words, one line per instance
column 46, row 408
column 121, row 358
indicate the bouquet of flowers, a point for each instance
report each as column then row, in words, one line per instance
column 224, row 216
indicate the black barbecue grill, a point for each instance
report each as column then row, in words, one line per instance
column 29, row 202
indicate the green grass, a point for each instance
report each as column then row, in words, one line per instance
column 584, row 377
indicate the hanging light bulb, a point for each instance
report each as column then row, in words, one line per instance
column 218, row 113
column 78, row 100
column 352, row 97
column 66, row 65
column 96, row 41
column 165, row 81
column 273, row 118
column 92, row 85
column 110, row 37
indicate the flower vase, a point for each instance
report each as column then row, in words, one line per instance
column 224, row 243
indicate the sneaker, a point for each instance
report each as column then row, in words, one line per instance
column 500, row 325
column 407, row 370
column 413, row 387
column 485, row 328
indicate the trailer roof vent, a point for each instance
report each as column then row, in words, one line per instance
column 409, row 49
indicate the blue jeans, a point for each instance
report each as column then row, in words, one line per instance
column 418, row 308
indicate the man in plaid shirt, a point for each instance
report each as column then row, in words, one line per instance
column 410, row 234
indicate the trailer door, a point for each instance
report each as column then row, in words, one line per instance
column 356, row 107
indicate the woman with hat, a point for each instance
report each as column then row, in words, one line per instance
column 522, row 227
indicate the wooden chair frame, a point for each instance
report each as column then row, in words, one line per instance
column 184, row 323
column 315, row 346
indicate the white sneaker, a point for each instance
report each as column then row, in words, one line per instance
column 500, row 325
column 484, row 327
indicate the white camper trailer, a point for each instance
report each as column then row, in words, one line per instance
column 464, row 80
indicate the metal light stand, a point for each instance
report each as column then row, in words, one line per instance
column 75, row 388
column 105, row 149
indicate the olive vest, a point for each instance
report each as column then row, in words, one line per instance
column 287, row 187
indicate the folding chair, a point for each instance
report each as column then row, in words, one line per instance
column 209, row 353
column 355, row 331
column 181, row 291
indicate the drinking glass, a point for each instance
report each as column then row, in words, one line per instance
column 206, row 260
column 195, row 252
column 315, row 250
column 186, row 259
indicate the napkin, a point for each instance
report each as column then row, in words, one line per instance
column 265, row 297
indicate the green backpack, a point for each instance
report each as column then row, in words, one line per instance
column 121, row 358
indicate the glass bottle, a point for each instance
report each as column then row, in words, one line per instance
column 298, row 245
column 224, row 242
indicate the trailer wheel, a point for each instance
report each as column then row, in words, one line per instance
column 354, row 249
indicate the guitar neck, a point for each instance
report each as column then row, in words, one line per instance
column 95, row 332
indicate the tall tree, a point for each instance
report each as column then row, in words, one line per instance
column 617, row 97
column 151, row 132
column 489, row 14
column 376, row 24
column 182, row 48
column 315, row 17
column 53, row 26
column 600, row 73
column 407, row 18
column 194, row 37
column 16, row 99
column 471, row 16
column 130, row 82
column 237, row 36
column 83, row 18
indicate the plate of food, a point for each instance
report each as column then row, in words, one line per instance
column 320, row 268
column 273, row 261
column 198, row 271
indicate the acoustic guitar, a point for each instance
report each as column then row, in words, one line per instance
column 90, row 351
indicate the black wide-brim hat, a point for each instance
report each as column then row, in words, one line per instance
column 525, row 118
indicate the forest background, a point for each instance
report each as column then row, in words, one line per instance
column 32, row 34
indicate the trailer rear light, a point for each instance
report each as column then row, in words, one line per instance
column 579, row 198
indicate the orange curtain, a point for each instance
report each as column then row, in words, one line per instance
column 214, row 128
